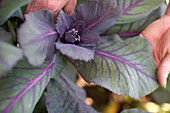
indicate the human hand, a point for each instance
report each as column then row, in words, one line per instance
column 158, row 34
column 54, row 5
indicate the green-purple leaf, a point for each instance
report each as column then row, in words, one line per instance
column 124, row 67
column 134, row 110
column 136, row 9
column 37, row 36
column 5, row 36
column 64, row 96
column 21, row 88
column 135, row 28
column 9, row 54
column 98, row 15
column 75, row 52
column 8, row 7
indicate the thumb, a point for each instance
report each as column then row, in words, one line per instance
column 164, row 70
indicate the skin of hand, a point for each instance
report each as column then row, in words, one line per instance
column 54, row 5
column 158, row 34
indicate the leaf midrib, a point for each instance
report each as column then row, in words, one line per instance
column 96, row 22
column 32, row 83
column 122, row 60
column 129, row 8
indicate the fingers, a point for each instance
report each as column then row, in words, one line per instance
column 36, row 5
column 155, row 30
column 30, row 8
column 153, row 34
column 54, row 5
column 164, row 70
column 70, row 6
column 57, row 5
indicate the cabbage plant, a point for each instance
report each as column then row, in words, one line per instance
column 101, row 41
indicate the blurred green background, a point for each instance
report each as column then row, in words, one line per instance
column 107, row 102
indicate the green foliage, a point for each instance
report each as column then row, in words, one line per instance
column 9, row 54
column 21, row 88
column 136, row 9
column 63, row 88
column 124, row 67
column 8, row 7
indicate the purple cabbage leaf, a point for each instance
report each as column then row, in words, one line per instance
column 134, row 110
column 9, row 54
column 21, row 88
column 78, row 33
column 37, row 36
column 98, row 15
column 8, row 8
column 124, row 67
column 64, row 96
column 136, row 9
column 133, row 29
column 70, row 38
